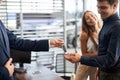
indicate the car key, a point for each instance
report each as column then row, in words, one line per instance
column 64, row 48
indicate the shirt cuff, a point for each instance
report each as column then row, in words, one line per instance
column 84, row 59
column 49, row 43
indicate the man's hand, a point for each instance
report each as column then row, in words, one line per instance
column 72, row 57
column 56, row 42
column 9, row 65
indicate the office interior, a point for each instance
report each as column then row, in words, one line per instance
column 47, row 19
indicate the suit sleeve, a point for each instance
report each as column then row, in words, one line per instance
column 26, row 44
column 4, row 74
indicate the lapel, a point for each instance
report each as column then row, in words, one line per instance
column 4, row 39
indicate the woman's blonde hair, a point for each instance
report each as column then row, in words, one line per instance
column 85, row 26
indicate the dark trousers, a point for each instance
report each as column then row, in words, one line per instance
column 109, row 76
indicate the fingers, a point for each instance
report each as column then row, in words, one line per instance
column 56, row 42
column 67, row 56
column 9, row 65
column 59, row 42
column 9, row 62
column 72, row 57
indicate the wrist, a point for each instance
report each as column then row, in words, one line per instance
column 79, row 58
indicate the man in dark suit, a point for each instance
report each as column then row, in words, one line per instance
column 108, row 59
column 9, row 40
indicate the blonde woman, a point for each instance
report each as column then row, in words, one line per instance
column 91, row 26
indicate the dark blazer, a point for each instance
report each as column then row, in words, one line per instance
column 9, row 40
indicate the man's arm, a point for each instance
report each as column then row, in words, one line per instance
column 32, row 45
column 102, row 61
column 109, row 58
column 27, row 45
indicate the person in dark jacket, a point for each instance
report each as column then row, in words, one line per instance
column 9, row 40
column 109, row 43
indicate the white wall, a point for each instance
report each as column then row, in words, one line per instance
column 91, row 5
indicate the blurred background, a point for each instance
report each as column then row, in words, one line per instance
column 47, row 19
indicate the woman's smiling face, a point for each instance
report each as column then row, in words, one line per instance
column 91, row 19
